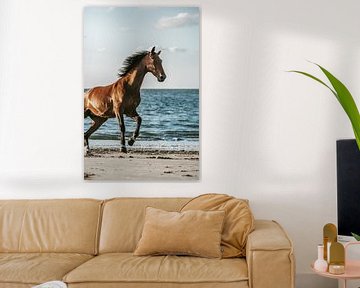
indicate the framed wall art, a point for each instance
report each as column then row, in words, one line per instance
column 141, row 75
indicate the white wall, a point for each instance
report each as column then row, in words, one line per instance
column 266, row 135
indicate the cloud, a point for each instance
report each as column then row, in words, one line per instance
column 171, row 49
column 175, row 49
column 180, row 20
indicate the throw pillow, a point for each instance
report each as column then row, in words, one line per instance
column 196, row 233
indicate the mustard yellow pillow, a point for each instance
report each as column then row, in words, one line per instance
column 193, row 232
column 238, row 223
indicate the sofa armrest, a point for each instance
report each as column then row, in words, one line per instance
column 269, row 256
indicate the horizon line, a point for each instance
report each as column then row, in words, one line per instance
column 158, row 88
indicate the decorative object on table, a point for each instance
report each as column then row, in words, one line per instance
column 334, row 251
column 320, row 264
column 336, row 269
column 329, row 236
column 350, row 270
column 51, row 284
column 344, row 97
column 337, row 258
column 139, row 130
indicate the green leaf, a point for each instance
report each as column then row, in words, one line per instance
column 357, row 237
column 347, row 102
column 344, row 97
column 316, row 79
column 357, row 137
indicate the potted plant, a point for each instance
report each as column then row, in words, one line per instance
column 345, row 99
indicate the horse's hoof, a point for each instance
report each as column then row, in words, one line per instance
column 123, row 149
column 131, row 142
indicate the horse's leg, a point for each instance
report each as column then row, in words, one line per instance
column 120, row 117
column 98, row 121
column 87, row 113
column 138, row 120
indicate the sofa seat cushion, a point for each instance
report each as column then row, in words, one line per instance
column 36, row 268
column 127, row 268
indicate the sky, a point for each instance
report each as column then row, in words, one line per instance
column 113, row 33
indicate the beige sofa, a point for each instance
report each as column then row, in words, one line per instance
column 89, row 243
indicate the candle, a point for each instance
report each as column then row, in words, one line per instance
column 336, row 269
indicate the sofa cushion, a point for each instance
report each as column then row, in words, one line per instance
column 239, row 220
column 193, row 232
column 123, row 220
column 127, row 268
column 63, row 226
column 36, row 268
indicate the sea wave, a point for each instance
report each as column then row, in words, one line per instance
column 168, row 115
column 159, row 145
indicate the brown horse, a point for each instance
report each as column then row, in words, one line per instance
column 122, row 97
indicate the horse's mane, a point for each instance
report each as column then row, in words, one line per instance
column 131, row 61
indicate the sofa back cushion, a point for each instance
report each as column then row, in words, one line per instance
column 66, row 226
column 123, row 220
column 238, row 224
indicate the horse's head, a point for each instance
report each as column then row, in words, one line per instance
column 153, row 65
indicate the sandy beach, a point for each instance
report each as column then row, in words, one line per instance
column 141, row 165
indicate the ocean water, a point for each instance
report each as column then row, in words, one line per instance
column 170, row 120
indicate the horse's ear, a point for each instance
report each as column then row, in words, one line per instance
column 159, row 52
column 153, row 50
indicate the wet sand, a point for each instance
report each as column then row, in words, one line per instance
column 141, row 165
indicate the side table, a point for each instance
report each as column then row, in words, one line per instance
column 352, row 268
